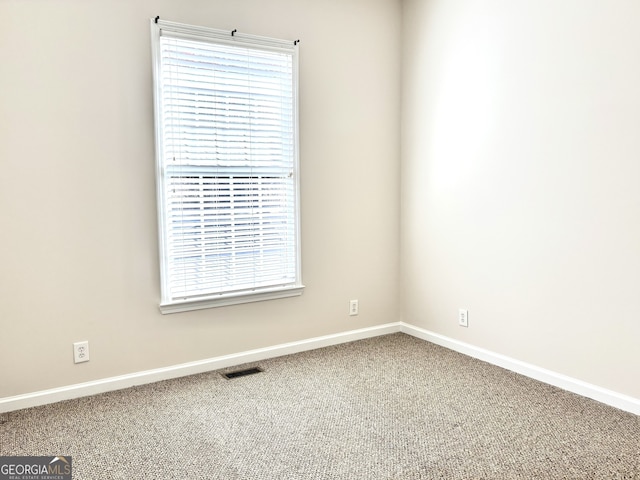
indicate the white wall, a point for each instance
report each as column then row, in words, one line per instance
column 520, row 198
column 78, row 244
column 520, row 151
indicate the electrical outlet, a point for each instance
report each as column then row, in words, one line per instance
column 463, row 317
column 81, row 352
column 353, row 307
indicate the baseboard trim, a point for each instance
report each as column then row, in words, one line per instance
column 34, row 399
column 608, row 397
column 53, row 395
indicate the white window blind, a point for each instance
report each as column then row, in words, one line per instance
column 226, row 135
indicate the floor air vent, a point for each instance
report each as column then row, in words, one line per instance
column 242, row 373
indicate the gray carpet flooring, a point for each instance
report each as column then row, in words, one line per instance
column 391, row 407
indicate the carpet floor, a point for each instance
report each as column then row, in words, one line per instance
column 390, row 407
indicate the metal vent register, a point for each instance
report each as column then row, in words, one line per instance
column 242, row 373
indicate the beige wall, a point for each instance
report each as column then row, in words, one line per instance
column 520, row 147
column 520, row 198
column 78, row 244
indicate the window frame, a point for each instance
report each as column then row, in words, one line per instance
column 169, row 303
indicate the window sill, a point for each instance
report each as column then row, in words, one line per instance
column 229, row 299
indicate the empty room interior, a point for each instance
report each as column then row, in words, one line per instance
column 474, row 155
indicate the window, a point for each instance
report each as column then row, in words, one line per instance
column 227, row 166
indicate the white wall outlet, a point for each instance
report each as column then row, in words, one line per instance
column 81, row 352
column 353, row 307
column 463, row 317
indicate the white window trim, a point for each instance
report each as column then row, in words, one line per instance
column 174, row 305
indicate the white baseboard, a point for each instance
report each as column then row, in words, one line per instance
column 53, row 395
column 608, row 397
